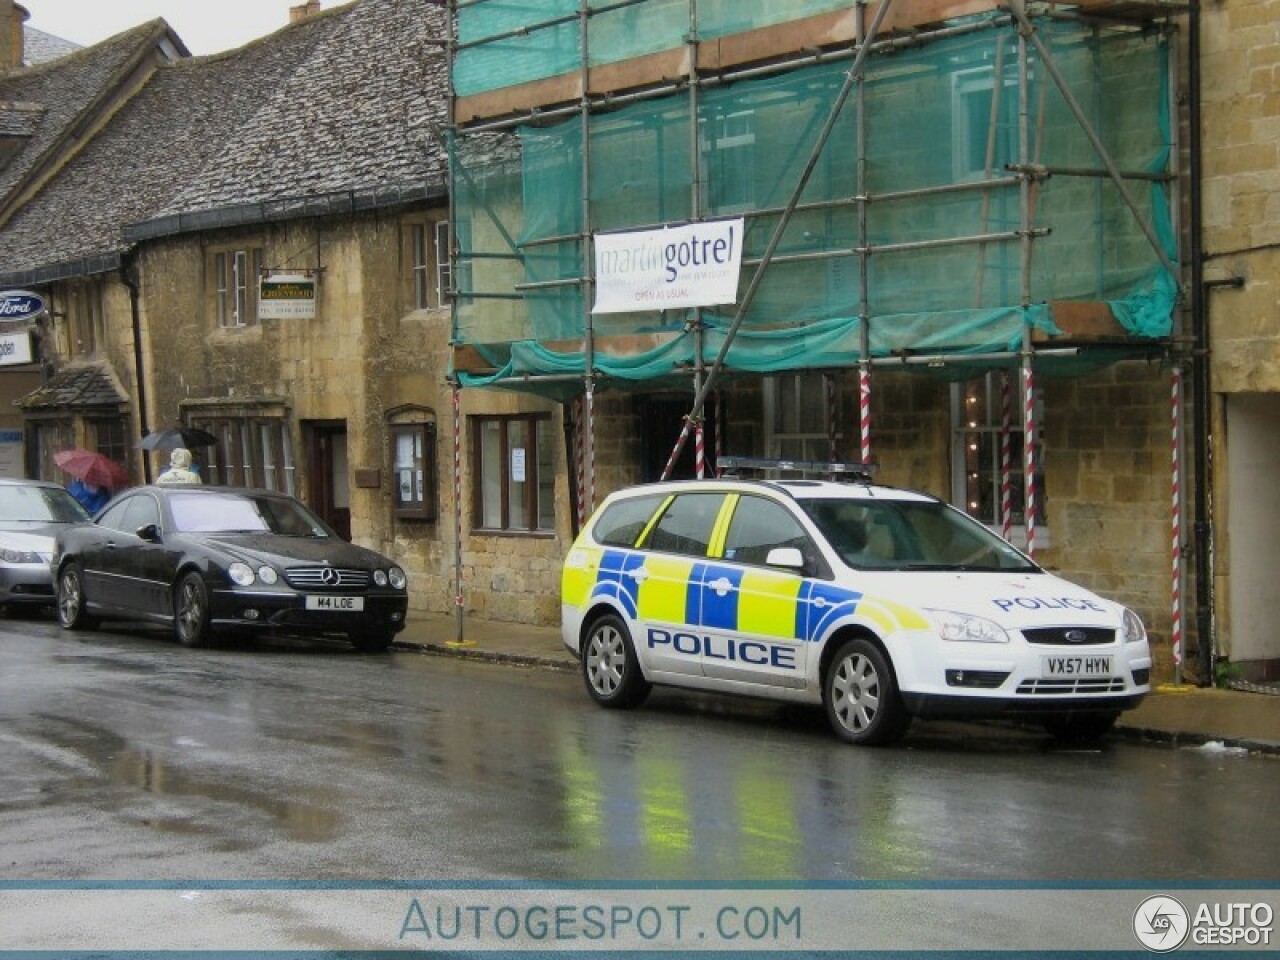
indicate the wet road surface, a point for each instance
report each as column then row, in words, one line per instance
column 126, row 757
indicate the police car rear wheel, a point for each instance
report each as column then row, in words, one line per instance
column 609, row 665
column 861, row 696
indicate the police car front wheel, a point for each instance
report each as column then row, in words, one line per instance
column 609, row 665
column 861, row 695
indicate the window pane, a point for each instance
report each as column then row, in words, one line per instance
column 546, row 476
column 265, row 432
column 220, row 273
column 491, row 470
column 444, row 272
column 520, row 468
column 686, row 525
column 622, row 523
column 759, row 526
column 404, row 470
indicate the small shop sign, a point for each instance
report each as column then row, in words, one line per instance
column 15, row 348
column 287, row 297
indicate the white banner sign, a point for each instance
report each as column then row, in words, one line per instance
column 691, row 266
column 15, row 348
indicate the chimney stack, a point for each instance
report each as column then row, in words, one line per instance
column 300, row 12
column 12, row 17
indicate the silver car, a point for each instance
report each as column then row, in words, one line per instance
column 32, row 513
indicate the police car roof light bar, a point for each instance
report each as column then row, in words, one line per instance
column 832, row 468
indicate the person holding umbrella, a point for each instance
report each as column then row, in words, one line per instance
column 96, row 476
column 92, row 497
column 179, row 469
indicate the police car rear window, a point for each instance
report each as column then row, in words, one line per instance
column 622, row 522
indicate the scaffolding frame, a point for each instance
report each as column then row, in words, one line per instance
column 1025, row 175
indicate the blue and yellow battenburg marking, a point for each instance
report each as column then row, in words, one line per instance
column 662, row 588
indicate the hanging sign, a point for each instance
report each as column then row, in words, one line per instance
column 696, row 265
column 284, row 296
column 20, row 304
column 15, row 348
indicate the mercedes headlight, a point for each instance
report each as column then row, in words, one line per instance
column 398, row 579
column 240, row 573
column 966, row 628
column 267, row 574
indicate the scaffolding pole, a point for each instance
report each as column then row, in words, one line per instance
column 1029, row 426
column 852, row 77
column 1175, row 477
column 589, row 335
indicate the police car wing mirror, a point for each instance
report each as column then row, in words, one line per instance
column 788, row 557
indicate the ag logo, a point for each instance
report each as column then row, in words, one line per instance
column 1161, row 924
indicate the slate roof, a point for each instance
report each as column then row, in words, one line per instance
column 332, row 112
column 68, row 88
column 75, row 387
column 40, row 47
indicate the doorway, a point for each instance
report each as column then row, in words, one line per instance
column 330, row 489
column 661, row 420
column 1253, row 531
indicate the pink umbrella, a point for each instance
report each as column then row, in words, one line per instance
column 95, row 468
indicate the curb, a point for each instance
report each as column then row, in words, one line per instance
column 1188, row 738
column 488, row 656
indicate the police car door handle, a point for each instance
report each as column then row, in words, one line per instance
column 722, row 586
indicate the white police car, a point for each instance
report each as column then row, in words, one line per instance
column 880, row 603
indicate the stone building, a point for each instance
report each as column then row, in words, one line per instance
column 1237, row 286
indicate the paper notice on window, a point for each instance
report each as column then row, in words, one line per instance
column 517, row 464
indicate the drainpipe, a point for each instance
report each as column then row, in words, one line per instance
column 129, row 277
column 1200, row 390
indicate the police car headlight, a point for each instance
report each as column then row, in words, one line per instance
column 1134, row 631
column 240, row 573
column 965, row 628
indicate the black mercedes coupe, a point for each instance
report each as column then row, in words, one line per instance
column 209, row 560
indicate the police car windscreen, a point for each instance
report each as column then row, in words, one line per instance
column 911, row 535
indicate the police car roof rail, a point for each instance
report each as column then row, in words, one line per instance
column 731, row 466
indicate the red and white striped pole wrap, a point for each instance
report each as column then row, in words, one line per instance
column 864, row 411
column 579, row 460
column 699, row 449
column 1176, row 417
column 675, row 451
column 1029, row 457
column 1006, row 456
column 719, row 442
column 457, row 486
column 833, row 448
column 591, row 443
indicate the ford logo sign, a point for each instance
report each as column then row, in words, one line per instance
column 1076, row 636
column 20, row 304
